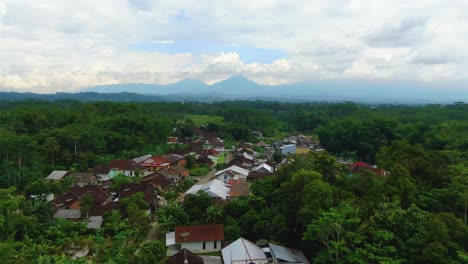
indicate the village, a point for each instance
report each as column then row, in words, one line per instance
column 201, row 165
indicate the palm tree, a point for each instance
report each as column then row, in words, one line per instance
column 52, row 147
column 213, row 214
column 166, row 223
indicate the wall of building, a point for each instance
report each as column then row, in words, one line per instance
column 197, row 247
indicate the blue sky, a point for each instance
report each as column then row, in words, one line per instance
column 51, row 45
column 246, row 53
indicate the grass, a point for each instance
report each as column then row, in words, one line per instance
column 203, row 120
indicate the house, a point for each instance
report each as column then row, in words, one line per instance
column 198, row 239
column 238, row 189
column 128, row 168
column 302, row 150
column 172, row 140
column 141, row 158
column 181, row 171
column 148, row 191
column 288, row 149
column 214, row 188
column 243, row 251
column 71, row 198
column 156, row 163
column 176, row 159
column 287, row 255
column 170, row 175
column 360, row 166
column 158, row 181
column 263, row 168
column 102, row 172
column 185, row 256
column 232, row 173
column 57, row 175
column 205, row 160
column 84, row 178
column 70, row 214
column 243, row 159
column 94, row 222
column 218, row 157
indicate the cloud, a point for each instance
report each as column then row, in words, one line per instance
column 408, row 32
column 51, row 46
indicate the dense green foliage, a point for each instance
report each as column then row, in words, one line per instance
column 417, row 214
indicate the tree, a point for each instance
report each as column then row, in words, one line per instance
column 52, row 147
column 213, row 214
column 150, row 253
column 86, row 203
column 333, row 229
column 196, row 205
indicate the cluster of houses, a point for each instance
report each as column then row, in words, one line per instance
column 187, row 241
column 234, row 181
column 158, row 173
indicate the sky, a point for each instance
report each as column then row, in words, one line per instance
column 63, row 46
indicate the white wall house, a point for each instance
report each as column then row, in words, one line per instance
column 232, row 173
column 197, row 239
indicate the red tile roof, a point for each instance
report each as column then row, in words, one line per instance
column 185, row 234
column 361, row 164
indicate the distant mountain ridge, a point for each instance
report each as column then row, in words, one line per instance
column 239, row 87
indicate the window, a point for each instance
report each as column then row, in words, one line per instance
column 204, row 245
column 214, row 244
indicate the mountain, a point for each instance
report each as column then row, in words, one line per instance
column 183, row 86
column 239, row 87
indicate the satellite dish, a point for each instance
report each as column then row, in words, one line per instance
column 261, row 242
column 185, row 234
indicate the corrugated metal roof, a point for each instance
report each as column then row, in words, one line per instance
column 287, row 255
column 68, row 214
column 57, row 175
column 95, row 222
column 214, row 188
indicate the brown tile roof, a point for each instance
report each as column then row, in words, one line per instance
column 86, row 177
column 101, row 169
column 178, row 169
column 199, row 233
column 239, row 188
column 185, row 254
column 127, row 165
column 205, row 160
column 130, row 189
column 100, row 210
column 173, row 158
column 75, row 193
column 211, row 152
column 157, row 180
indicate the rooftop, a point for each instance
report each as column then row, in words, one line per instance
column 184, row 234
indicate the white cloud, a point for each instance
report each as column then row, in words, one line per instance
column 53, row 45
